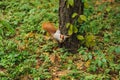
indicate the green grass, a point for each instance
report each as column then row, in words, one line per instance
column 27, row 53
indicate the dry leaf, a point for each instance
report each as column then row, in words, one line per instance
column 37, row 51
column 56, row 78
column 55, row 58
column 52, row 58
column 97, row 3
column 80, row 65
column 61, row 73
column 21, row 47
column 47, row 37
column 87, row 64
column 29, row 35
column 39, row 62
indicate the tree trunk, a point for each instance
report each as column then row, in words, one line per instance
column 65, row 16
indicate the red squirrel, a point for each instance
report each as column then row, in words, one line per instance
column 50, row 28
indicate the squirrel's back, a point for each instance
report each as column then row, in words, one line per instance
column 49, row 27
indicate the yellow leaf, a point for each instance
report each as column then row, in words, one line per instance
column 79, row 20
column 87, row 64
column 71, row 2
column 29, row 35
column 83, row 18
column 75, row 29
column 86, row 5
column 74, row 15
column 80, row 37
column 67, row 25
column 70, row 31
column 108, row 9
column 90, row 40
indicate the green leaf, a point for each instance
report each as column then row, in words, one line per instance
column 70, row 31
column 90, row 40
column 99, row 63
column 67, row 25
column 104, row 60
column 71, row 2
column 75, row 29
column 83, row 18
column 80, row 37
column 108, row 9
column 93, row 68
column 90, row 56
column 74, row 15
column 107, row 71
column 8, row 26
column 117, row 50
column 86, row 5
column 79, row 20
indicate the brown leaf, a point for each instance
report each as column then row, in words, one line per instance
column 56, row 78
column 55, row 58
column 26, row 77
column 39, row 62
column 47, row 37
column 61, row 73
column 97, row 3
column 52, row 58
column 80, row 65
column 21, row 47
column 108, row 0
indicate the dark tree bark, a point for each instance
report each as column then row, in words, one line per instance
column 72, row 43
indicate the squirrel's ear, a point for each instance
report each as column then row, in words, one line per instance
column 63, row 37
column 66, row 36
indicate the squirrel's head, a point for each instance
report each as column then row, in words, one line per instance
column 60, row 37
column 63, row 38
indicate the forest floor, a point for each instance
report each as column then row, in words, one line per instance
column 28, row 53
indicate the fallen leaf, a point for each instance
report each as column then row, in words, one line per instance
column 87, row 64
column 61, row 73
column 79, row 65
column 39, row 62
column 21, row 47
column 52, row 58
column 29, row 35
column 55, row 58
column 56, row 78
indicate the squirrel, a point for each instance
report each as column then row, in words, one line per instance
column 55, row 33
